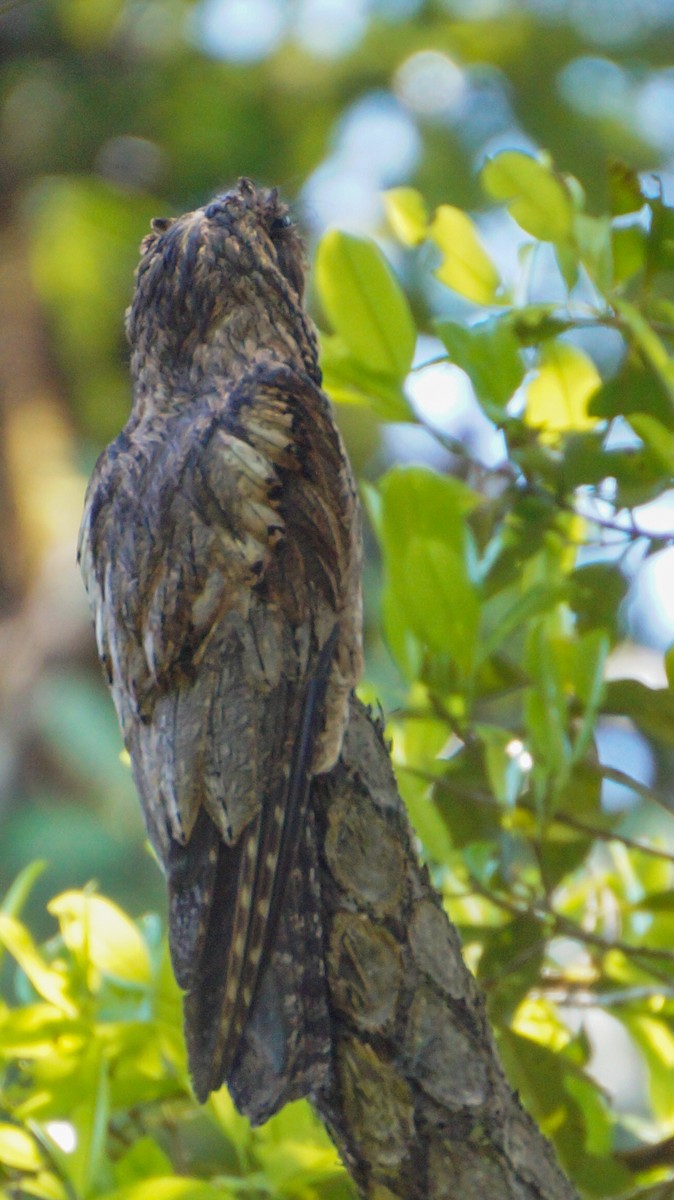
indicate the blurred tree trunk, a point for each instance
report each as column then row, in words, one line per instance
column 419, row 1105
column 35, row 458
column 31, row 413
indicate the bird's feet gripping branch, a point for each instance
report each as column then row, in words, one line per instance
column 221, row 551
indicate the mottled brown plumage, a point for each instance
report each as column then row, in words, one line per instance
column 220, row 548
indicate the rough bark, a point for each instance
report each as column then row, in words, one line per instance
column 418, row 1106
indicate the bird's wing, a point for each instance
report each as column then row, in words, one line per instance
column 216, row 570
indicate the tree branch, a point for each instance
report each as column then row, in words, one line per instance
column 418, row 1104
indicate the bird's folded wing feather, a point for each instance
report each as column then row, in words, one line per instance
column 216, row 561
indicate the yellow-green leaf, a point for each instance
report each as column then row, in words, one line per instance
column 32, row 1030
column 98, row 930
column 466, row 267
column 656, row 1042
column 558, row 396
column 18, row 1149
column 365, row 304
column 407, row 214
column 167, row 1188
column 47, row 981
column 46, row 1186
column 536, row 196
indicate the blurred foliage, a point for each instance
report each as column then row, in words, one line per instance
column 506, row 546
column 96, row 1100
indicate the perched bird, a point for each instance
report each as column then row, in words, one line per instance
column 221, row 551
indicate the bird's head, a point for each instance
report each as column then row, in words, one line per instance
column 237, row 263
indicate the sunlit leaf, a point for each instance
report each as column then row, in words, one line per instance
column 19, row 891
column 655, row 1039
column 538, row 1021
column 104, row 935
column 407, row 214
column 558, row 396
column 18, row 1149
column 48, row 982
column 32, row 1030
column 365, row 304
column 167, row 1188
column 46, row 1186
column 466, row 267
column 536, row 196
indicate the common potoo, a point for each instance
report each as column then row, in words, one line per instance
column 220, row 548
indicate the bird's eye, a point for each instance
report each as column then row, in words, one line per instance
column 279, row 224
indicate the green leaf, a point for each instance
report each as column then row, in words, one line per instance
column 546, row 703
column 536, row 323
column 596, row 593
column 501, row 620
column 629, row 246
column 510, row 963
column 590, row 653
column 558, row 396
column 489, row 354
column 441, row 602
column 650, row 346
column 348, row 382
column 365, row 303
column 407, row 214
column 143, row 1160
column 426, row 820
column 657, row 902
column 466, row 267
column 624, row 188
column 659, row 440
column 634, row 389
column 651, row 709
column 101, row 934
column 428, row 587
column 503, row 768
column 593, row 237
column 536, row 196
column 469, row 823
column 418, row 502
column 90, row 1119
column 568, row 261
